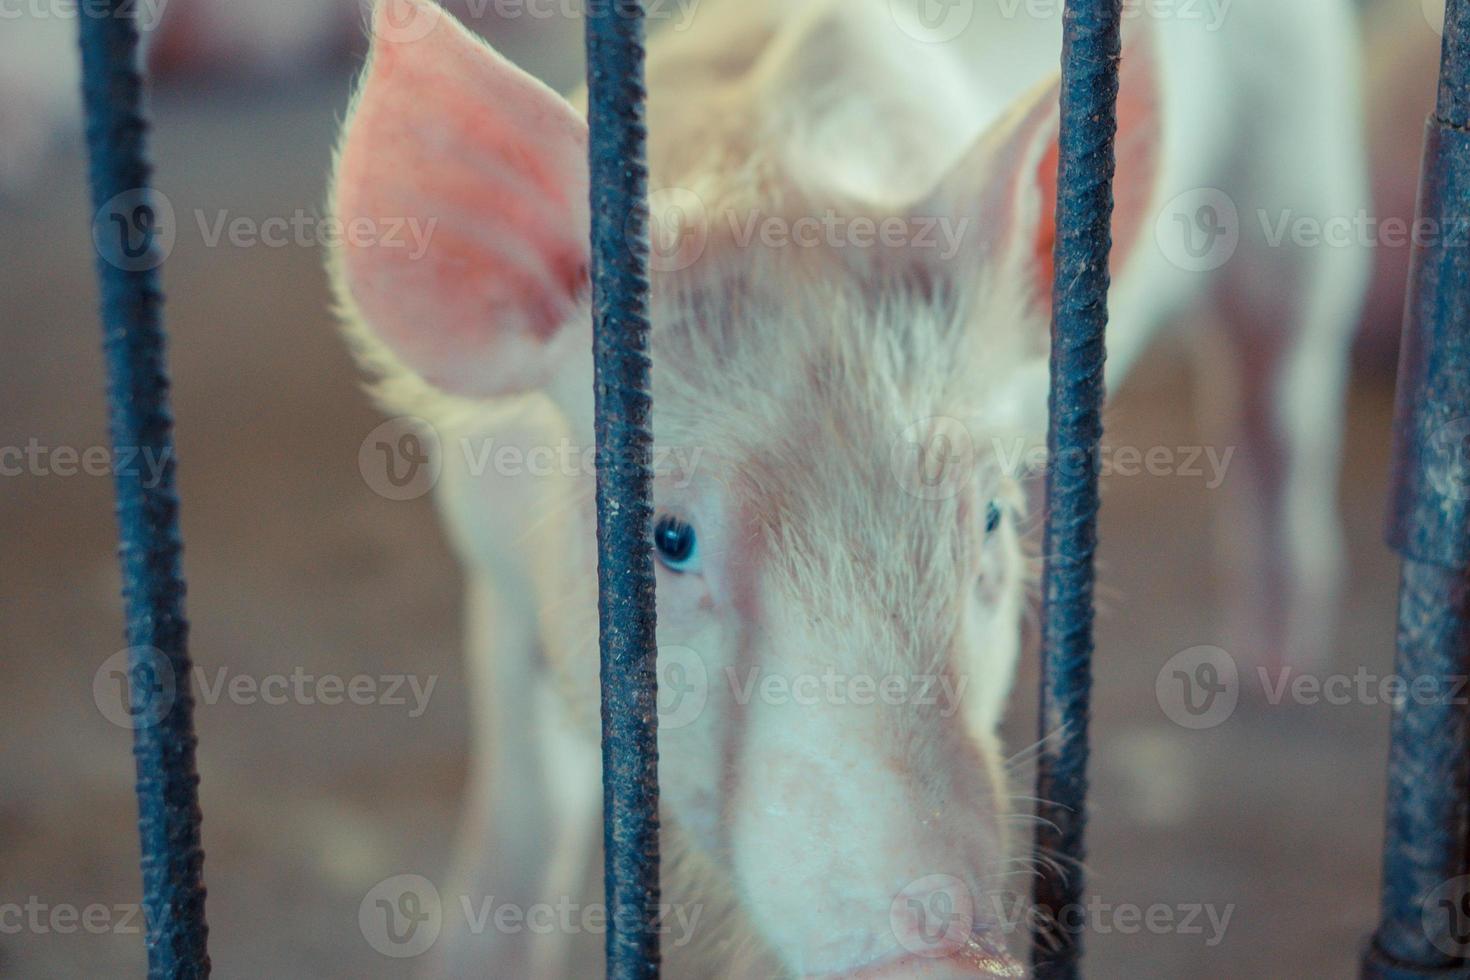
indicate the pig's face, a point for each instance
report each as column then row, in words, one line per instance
column 840, row 572
column 839, row 605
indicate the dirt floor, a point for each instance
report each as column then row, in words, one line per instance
column 1272, row 817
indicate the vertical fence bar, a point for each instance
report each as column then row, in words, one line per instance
column 1091, row 51
column 141, row 427
column 1424, row 929
column 620, row 248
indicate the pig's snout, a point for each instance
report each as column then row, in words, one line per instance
column 865, row 841
column 979, row 959
column 935, row 928
column 919, row 968
column 935, row 922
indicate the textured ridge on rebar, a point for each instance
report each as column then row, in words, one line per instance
column 1453, row 103
column 147, row 510
column 619, row 179
column 1089, row 94
column 1427, row 782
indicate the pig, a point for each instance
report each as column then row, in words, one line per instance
column 40, row 64
column 40, row 95
column 188, row 41
column 852, row 212
column 1402, row 42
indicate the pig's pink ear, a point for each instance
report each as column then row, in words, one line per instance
column 461, row 185
column 1007, row 183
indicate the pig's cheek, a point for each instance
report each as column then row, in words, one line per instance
column 998, row 567
column 694, row 726
column 993, row 634
column 691, row 760
column 685, row 602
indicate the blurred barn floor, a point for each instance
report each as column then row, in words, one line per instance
column 293, row 561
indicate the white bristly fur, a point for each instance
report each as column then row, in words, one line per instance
column 792, row 373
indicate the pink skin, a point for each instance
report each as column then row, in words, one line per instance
column 403, row 111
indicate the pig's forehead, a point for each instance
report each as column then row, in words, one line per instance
column 799, row 349
column 803, row 396
column 851, row 545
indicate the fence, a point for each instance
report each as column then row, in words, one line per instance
column 1429, row 526
column 1429, row 779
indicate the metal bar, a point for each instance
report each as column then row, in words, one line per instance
column 1424, row 929
column 619, row 177
column 125, row 230
column 1424, row 840
column 1091, row 51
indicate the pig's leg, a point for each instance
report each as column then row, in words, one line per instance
column 1286, row 303
column 532, row 808
column 40, row 102
column 573, row 772
column 1272, row 382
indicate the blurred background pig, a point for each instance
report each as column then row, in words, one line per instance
column 313, row 570
column 206, row 43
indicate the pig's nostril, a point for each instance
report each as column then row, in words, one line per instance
column 979, row 958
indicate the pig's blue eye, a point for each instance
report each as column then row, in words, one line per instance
column 676, row 544
column 992, row 519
